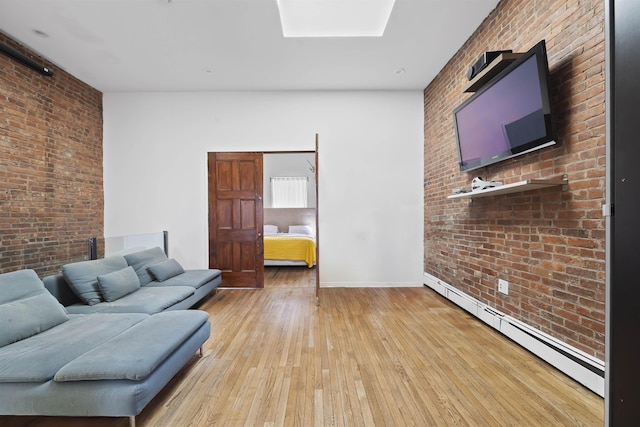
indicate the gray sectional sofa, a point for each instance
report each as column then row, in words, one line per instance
column 145, row 281
column 61, row 364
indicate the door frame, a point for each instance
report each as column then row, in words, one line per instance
column 261, row 196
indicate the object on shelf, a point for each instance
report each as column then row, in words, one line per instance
column 479, row 184
column 482, row 62
column 461, row 190
column 491, row 70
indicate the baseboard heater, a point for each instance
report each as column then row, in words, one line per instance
column 584, row 368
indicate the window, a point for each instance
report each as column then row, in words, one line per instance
column 289, row 192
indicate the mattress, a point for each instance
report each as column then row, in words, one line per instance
column 293, row 247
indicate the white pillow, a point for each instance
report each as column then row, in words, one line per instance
column 300, row 229
column 270, row 229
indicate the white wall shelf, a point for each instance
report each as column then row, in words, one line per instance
column 516, row 187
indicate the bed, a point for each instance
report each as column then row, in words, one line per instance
column 295, row 248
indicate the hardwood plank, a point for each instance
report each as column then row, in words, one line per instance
column 366, row 356
column 288, row 277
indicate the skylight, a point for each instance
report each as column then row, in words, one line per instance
column 334, row 18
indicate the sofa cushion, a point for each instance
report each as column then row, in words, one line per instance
column 57, row 286
column 147, row 299
column 119, row 283
column 140, row 349
column 29, row 316
column 165, row 270
column 83, row 276
column 38, row 358
column 19, row 284
column 193, row 278
column 26, row 308
column 141, row 260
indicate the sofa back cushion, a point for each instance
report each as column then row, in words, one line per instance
column 119, row 283
column 57, row 286
column 140, row 261
column 165, row 270
column 26, row 307
column 83, row 276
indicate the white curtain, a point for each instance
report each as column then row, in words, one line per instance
column 289, row 191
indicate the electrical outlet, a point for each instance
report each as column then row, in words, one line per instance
column 503, row 286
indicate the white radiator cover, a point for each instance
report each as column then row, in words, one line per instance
column 586, row 369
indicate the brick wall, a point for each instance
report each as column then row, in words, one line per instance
column 549, row 244
column 51, row 195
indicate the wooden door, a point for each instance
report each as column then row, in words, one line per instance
column 235, row 218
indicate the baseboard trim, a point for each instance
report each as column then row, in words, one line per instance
column 371, row 284
column 586, row 369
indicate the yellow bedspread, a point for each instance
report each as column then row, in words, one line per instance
column 285, row 247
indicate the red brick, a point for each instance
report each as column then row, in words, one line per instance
column 549, row 242
column 50, row 166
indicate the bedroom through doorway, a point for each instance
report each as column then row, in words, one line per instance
column 289, row 215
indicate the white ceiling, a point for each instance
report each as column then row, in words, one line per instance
column 168, row 45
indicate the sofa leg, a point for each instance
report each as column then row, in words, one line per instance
column 199, row 354
column 132, row 421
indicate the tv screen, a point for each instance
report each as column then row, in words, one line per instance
column 508, row 116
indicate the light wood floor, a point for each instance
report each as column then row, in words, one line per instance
column 365, row 357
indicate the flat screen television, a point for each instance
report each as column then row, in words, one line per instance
column 508, row 116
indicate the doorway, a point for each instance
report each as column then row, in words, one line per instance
column 240, row 204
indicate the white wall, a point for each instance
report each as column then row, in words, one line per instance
column 370, row 167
